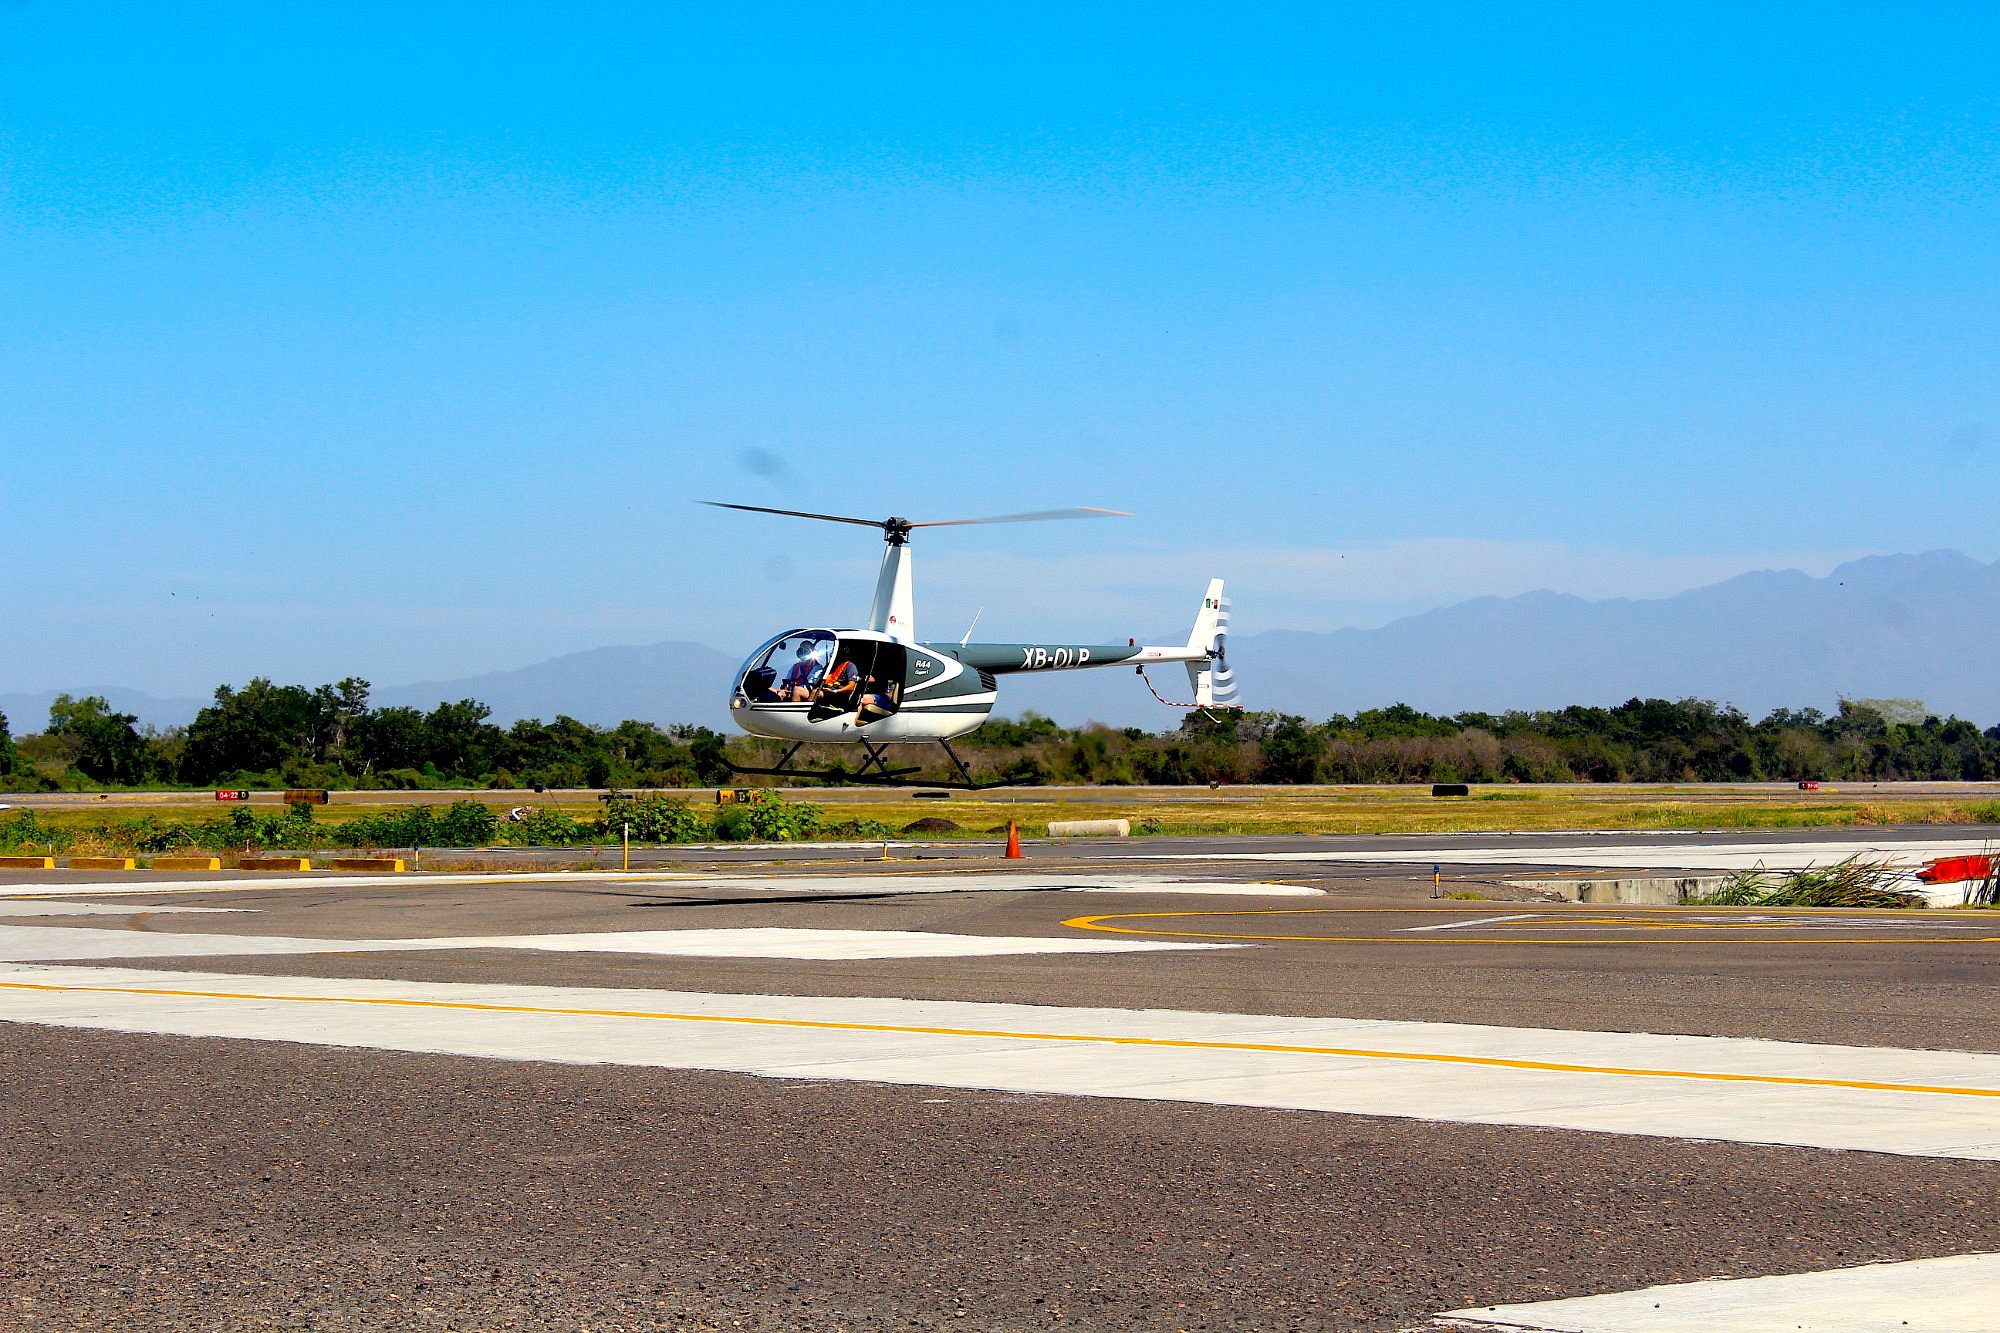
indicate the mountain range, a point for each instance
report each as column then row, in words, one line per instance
column 1904, row 626
column 1901, row 626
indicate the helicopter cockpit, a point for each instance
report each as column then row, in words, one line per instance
column 788, row 668
column 830, row 675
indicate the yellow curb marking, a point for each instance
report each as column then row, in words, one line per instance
column 1633, row 920
column 1164, row 1043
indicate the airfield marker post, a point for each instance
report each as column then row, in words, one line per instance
column 625, row 844
column 1437, row 881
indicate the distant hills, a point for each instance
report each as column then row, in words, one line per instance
column 29, row 710
column 662, row 682
column 657, row 682
column 1901, row 626
column 1908, row 626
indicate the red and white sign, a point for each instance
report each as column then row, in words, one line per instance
column 1956, row 869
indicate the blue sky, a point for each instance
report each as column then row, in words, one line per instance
column 401, row 340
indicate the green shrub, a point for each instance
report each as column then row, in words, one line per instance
column 767, row 817
column 732, row 824
column 465, row 824
column 774, row 819
column 244, row 827
column 408, row 827
column 650, row 818
column 460, row 824
column 27, row 833
column 549, row 828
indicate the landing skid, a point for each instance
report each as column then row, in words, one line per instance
column 882, row 775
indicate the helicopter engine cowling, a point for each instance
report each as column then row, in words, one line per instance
column 851, row 685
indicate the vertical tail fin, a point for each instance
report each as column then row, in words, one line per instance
column 1213, row 684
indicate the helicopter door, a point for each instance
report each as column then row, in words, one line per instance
column 866, row 679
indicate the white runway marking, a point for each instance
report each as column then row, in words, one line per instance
column 776, row 942
column 46, row 907
column 1479, row 921
column 1610, row 855
column 1222, row 888
column 320, row 879
column 1070, row 881
column 841, row 885
column 1952, row 1295
column 81, row 944
column 1922, row 1103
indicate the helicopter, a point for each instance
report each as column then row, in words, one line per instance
column 879, row 686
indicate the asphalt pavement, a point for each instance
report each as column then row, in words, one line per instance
column 470, row 1102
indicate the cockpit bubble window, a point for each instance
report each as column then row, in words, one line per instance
column 789, row 668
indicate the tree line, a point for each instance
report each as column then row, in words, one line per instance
column 264, row 735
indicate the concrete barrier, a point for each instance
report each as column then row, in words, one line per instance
column 102, row 863
column 27, row 863
column 391, row 864
column 185, row 863
column 1641, row 890
column 292, row 863
column 1091, row 828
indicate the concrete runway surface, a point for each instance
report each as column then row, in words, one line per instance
column 1124, row 1085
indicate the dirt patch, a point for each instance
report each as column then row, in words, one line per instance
column 931, row 824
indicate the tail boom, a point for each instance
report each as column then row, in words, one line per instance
column 1203, row 654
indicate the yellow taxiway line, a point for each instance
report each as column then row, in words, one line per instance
column 1171, row 1043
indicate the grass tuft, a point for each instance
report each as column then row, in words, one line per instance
column 1855, row 882
column 1986, row 892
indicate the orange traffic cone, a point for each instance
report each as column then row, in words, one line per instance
column 1013, row 841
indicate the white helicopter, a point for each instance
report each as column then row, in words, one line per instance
column 878, row 686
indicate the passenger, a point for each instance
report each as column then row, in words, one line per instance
column 804, row 676
column 878, row 700
column 841, row 685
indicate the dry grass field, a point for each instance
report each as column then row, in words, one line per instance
column 1406, row 810
column 1243, row 810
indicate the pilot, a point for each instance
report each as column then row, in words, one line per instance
column 805, row 673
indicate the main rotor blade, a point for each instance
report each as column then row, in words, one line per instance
column 798, row 513
column 1080, row 511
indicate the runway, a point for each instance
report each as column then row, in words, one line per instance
column 1918, row 1103
column 1097, row 1091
